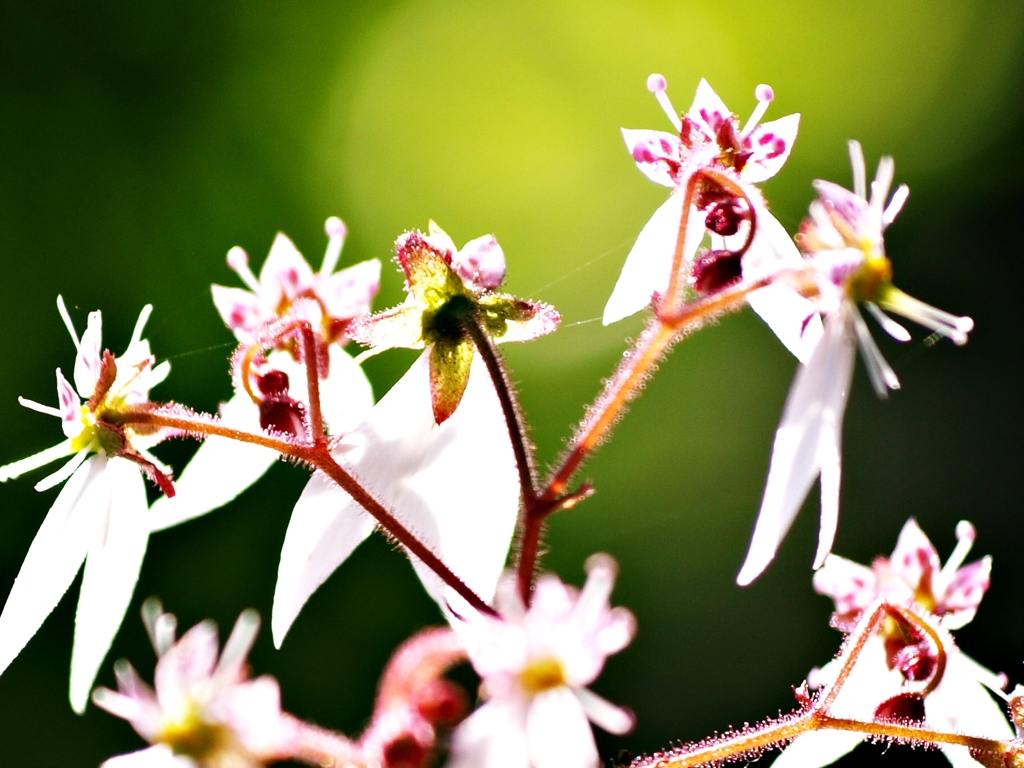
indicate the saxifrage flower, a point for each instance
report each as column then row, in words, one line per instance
column 894, row 659
column 845, row 265
column 535, row 664
column 101, row 515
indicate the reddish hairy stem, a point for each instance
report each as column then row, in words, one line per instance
column 510, row 409
column 319, row 456
column 316, row 419
column 752, row 742
column 320, row 747
column 677, row 256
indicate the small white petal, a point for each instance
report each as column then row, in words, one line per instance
column 558, row 733
column 63, row 473
column 604, row 714
column 111, row 571
column 892, row 210
column 647, row 267
column 232, row 659
column 54, row 557
column 812, row 417
column 219, row 471
column 860, row 173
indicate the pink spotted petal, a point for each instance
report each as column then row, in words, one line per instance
column 349, row 293
column 770, row 144
column 656, row 154
column 708, row 109
column 965, row 592
column 240, row 310
column 70, row 407
column 285, row 274
column 89, row 358
column 852, row 585
column 481, row 263
column 914, row 559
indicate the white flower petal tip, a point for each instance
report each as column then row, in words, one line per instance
column 807, row 444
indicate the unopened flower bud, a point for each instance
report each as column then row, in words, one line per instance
column 405, row 751
column 442, row 703
column 906, row 707
column 716, row 270
column 274, row 383
column 724, row 218
column 283, row 415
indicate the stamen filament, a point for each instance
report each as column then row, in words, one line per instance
column 965, row 535
column 899, row 197
column 336, row 231
column 765, row 95
column 883, row 377
column 238, row 260
column 656, row 84
column 889, row 325
column 949, row 325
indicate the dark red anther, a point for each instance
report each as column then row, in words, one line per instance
column 283, row 415
column 441, row 702
column 273, row 383
column 904, row 708
column 716, row 270
column 404, row 752
column 724, row 218
column 916, row 662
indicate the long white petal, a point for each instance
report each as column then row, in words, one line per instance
column 817, row 749
column 111, row 571
column 814, row 410
column 647, row 267
column 54, row 557
column 458, row 485
column 346, row 396
column 218, row 472
column 325, row 527
column 35, row 461
column 558, row 733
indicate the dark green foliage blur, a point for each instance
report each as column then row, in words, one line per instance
column 140, row 141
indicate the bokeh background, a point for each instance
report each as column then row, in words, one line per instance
column 139, row 141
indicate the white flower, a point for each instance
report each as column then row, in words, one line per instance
column 287, row 287
column 893, row 661
column 203, row 713
column 454, row 485
column 845, row 264
column 535, row 664
column 709, row 138
column 101, row 515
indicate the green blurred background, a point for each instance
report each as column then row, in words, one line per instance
column 139, row 141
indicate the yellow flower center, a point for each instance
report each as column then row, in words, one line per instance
column 191, row 736
column 868, row 282
column 541, row 675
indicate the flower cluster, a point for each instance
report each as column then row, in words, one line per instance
column 442, row 465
